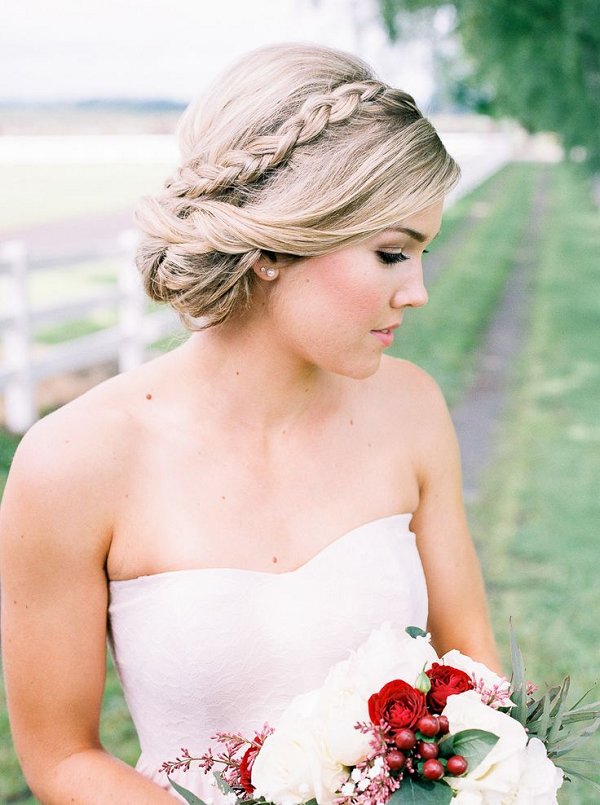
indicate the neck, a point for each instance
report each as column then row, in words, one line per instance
column 254, row 380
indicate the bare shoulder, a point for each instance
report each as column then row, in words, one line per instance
column 410, row 386
column 80, row 440
column 66, row 473
column 415, row 415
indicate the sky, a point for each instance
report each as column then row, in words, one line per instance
column 73, row 49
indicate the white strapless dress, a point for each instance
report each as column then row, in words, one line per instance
column 222, row 649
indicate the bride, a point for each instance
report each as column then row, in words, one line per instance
column 239, row 513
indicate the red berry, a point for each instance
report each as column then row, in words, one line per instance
column 457, row 765
column 428, row 725
column 433, row 770
column 395, row 759
column 405, row 739
column 428, row 750
column 444, row 725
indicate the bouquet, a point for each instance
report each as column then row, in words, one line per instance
column 395, row 722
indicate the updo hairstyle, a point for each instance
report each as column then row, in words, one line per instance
column 297, row 150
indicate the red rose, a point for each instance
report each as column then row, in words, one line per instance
column 445, row 681
column 398, row 704
column 246, row 764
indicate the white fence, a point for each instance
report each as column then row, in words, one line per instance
column 21, row 369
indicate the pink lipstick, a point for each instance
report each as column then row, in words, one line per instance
column 385, row 337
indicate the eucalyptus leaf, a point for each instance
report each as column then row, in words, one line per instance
column 414, row 791
column 187, row 795
column 415, row 631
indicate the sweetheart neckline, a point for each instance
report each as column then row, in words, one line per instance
column 268, row 573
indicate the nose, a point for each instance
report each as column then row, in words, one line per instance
column 413, row 292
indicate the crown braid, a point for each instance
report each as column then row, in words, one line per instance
column 239, row 167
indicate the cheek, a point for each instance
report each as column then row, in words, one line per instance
column 337, row 288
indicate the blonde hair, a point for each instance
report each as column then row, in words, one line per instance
column 297, row 150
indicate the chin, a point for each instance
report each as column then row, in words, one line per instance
column 358, row 371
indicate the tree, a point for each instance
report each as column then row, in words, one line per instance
column 537, row 61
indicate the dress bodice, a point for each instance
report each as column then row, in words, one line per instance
column 221, row 649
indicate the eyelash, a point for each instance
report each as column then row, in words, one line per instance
column 389, row 258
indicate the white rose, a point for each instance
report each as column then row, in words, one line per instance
column 389, row 654
column 340, row 707
column 514, row 771
column 499, row 772
column 293, row 765
column 540, row 778
column 386, row 655
column 491, row 680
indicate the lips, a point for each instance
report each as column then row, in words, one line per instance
column 385, row 336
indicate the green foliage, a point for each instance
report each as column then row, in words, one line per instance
column 518, row 681
column 541, row 60
column 415, row 791
column 473, row 745
column 415, row 631
column 186, row 794
column 8, row 445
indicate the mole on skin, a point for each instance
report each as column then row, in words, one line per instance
column 274, row 560
column 148, row 396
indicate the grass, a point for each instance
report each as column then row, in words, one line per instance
column 443, row 336
column 540, row 512
column 540, row 509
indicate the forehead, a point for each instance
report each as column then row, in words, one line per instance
column 425, row 223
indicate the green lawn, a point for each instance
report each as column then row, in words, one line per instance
column 537, row 522
column 443, row 336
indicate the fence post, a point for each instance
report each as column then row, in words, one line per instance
column 131, row 307
column 19, row 397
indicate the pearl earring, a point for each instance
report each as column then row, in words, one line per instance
column 270, row 272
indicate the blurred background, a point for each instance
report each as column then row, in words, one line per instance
column 90, row 95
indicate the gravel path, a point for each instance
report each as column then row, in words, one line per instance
column 478, row 417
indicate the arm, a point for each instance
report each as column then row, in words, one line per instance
column 55, row 526
column 458, row 616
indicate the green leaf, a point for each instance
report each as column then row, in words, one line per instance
column 187, row 795
column 414, row 791
column 415, row 631
column 519, row 684
column 572, row 740
column 562, row 706
column 222, row 785
column 541, row 728
column 473, row 745
column 578, row 774
column 587, row 693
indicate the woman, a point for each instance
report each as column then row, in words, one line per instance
column 241, row 506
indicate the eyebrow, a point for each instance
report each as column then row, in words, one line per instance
column 412, row 233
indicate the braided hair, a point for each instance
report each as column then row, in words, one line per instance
column 298, row 150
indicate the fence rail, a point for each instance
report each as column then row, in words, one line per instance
column 23, row 365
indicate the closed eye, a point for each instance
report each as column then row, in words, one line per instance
column 389, row 258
